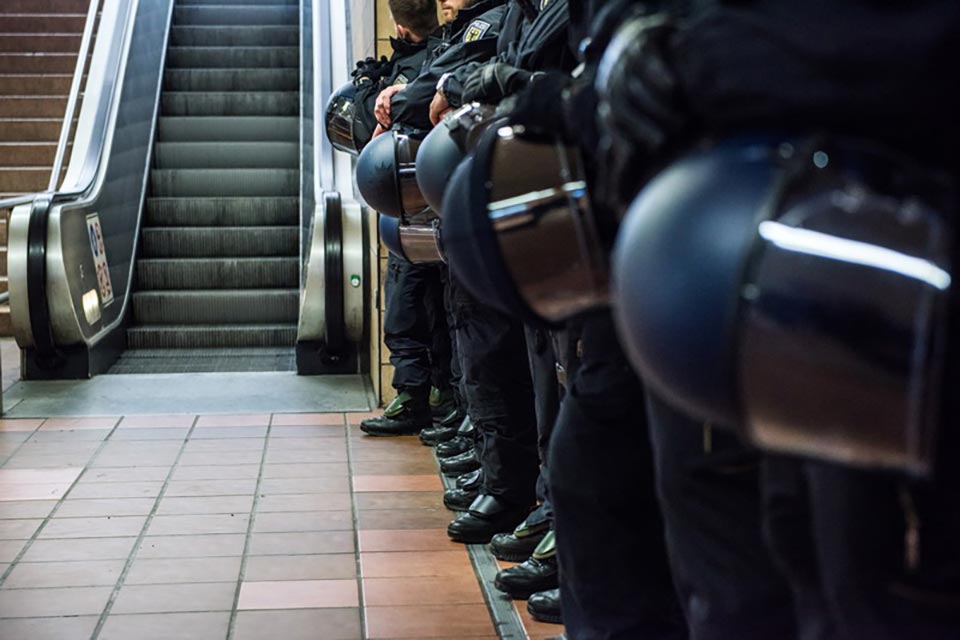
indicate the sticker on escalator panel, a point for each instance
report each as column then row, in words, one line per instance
column 99, row 250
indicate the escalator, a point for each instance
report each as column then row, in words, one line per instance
column 199, row 227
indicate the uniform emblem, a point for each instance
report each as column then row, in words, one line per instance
column 476, row 30
column 401, row 79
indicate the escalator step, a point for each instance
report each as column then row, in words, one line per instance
column 200, row 155
column 217, row 273
column 228, row 14
column 201, row 242
column 199, row 337
column 222, row 79
column 224, row 182
column 231, row 103
column 222, row 212
column 232, row 57
column 228, row 129
column 216, row 306
column 274, row 36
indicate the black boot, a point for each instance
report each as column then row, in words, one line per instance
column 463, row 463
column 443, row 431
column 459, row 499
column 545, row 606
column 471, row 480
column 442, row 402
column 517, row 545
column 538, row 573
column 487, row 516
column 406, row 415
column 453, row 447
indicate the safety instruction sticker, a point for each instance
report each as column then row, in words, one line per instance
column 476, row 30
column 100, row 258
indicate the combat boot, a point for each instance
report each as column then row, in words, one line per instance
column 463, row 463
column 537, row 573
column 471, row 480
column 459, row 499
column 406, row 415
column 453, row 447
column 443, row 431
column 545, row 606
column 442, row 402
column 488, row 515
column 517, row 545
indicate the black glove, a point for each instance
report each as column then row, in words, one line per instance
column 492, row 82
column 371, row 69
column 640, row 110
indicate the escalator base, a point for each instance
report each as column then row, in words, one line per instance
column 205, row 360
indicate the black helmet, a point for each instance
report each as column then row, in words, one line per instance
column 417, row 242
column 386, row 175
column 519, row 228
column 346, row 129
column 795, row 289
column 446, row 146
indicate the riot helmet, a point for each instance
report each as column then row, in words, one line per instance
column 416, row 242
column 346, row 129
column 386, row 175
column 795, row 289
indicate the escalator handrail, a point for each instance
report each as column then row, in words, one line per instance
column 83, row 180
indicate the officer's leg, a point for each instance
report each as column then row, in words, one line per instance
column 406, row 330
column 499, row 394
column 442, row 396
column 615, row 579
column 708, row 486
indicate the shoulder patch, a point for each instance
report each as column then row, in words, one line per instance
column 401, row 79
column 476, row 30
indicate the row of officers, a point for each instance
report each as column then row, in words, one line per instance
column 670, row 291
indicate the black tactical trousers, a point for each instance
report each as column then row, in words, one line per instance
column 614, row 575
column 414, row 327
column 708, row 484
column 546, row 391
column 499, row 395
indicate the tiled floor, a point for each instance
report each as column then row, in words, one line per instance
column 238, row 527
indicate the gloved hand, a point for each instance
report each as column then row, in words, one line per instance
column 492, row 82
column 371, row 69
column 640, row 112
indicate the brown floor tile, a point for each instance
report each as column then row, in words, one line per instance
column 183, row 570
column 387, row 592
column 111, row 507
column 205, row 505
column 403, row 564
column 26, row 509
column 92, row 573
column 32, row 491
column 308, row 444
column 229, row 433
column 212, row 458
column 298, row 594
column 399, row 500
column 307, row 419
column 405, row 518
column 165, row 626
column 325, row 566
column 397, row 483
column 18, row 529
column 143, row 435
column 174, row 598
column 198, row 524
column 288, row 456
column 200, row 488
column 354, row 418
column 303, row 521
column 304, row 502
column 227, row 447
column 39, row 476
column 73, row 424
column 157, row 422
column 299, row 624
column 19, row 424
column 9, row 549
column 321, row 432
column 48, row 628
column 323, row 484
column 116, row 490
column 283, row 544
column 67, row 601
column 237, row 420
column 219, row 472
column 373, row 540
column 127, row 474
column 429, row 621
column 198, row 546
column 100, row 527
column 79, row 549
column 413, row 467
column 305, row 470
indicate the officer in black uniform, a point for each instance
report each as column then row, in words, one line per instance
column 849, row 540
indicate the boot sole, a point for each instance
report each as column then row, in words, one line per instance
column 457, row 508
column 509, row 557
column 453, row 473
column 542, row 618
column 387, row 435
column 471, row 539
column 522, row 595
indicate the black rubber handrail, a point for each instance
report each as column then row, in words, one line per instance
column 47, row 354
column 333, row 274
